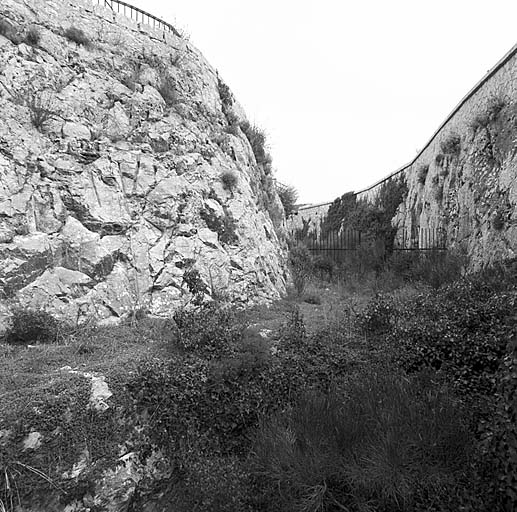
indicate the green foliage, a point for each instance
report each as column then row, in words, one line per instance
column 257, row 140
column 379, row 447
column 323, row 266
column 372, row 219
column 422, row 173
column 460, row 330
column 229, row 180
column 77, row 36
column 29, row 326
column 225, row 94
column 288, row 196
column 300, row 264
column 195, row 284
column 451, row 145
column 225, row 227
column 378, row 316
column 208, row 329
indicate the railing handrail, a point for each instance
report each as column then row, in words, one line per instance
column 132, row 8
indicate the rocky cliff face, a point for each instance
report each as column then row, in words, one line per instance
column 115, row 141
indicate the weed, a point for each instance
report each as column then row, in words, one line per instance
column 229, row 180
column 288, row 196
column 77, row 36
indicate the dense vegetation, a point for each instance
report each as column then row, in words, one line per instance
column 422, row 419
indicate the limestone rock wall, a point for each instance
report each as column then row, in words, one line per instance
column 111, row 157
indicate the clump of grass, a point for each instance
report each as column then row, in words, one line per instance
column 422, row 173
column 77, row 36
column 451, row 145
column 389, row 439
column 229, row 180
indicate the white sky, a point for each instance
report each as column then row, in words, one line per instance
column 347, row 91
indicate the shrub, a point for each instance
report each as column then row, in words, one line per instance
column 460, row 330
column 32, row 326
column 439, row 160
column 451, row 145
column 324, row 266
column 422, row 173
column 77, row 36
column 378, row 316
column 257, row 140
column 167, row 90
column 195, row 284
column 229, row 180
column 225, row 94
column 385, row 443
column 225, row 227
column 33, row 36
column 209, row 329
column 300, row 263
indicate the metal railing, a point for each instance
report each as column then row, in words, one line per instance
column 138, row 15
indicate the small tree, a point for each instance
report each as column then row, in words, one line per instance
column 289, row 197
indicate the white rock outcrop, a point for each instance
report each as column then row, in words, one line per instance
column 111, row 157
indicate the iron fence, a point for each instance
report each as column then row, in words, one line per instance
column 138, row 15
column 336, row 244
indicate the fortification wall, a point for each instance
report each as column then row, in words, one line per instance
column 464, row 180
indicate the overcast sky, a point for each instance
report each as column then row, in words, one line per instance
column 346, row 91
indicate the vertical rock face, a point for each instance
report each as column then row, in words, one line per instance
column 112, row 152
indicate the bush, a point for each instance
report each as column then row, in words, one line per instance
column 460, row 330
column 300, row 263
column 288, row 196
column 378, row 316
column 229, row 180
column 257, row 140
column 210, row 329
column 439, row 160
column 379, row 447
column 33, row 36
column 77, row 36
column 195, row 284
column 32, row 326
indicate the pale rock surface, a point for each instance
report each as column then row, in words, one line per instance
column 101, row 207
